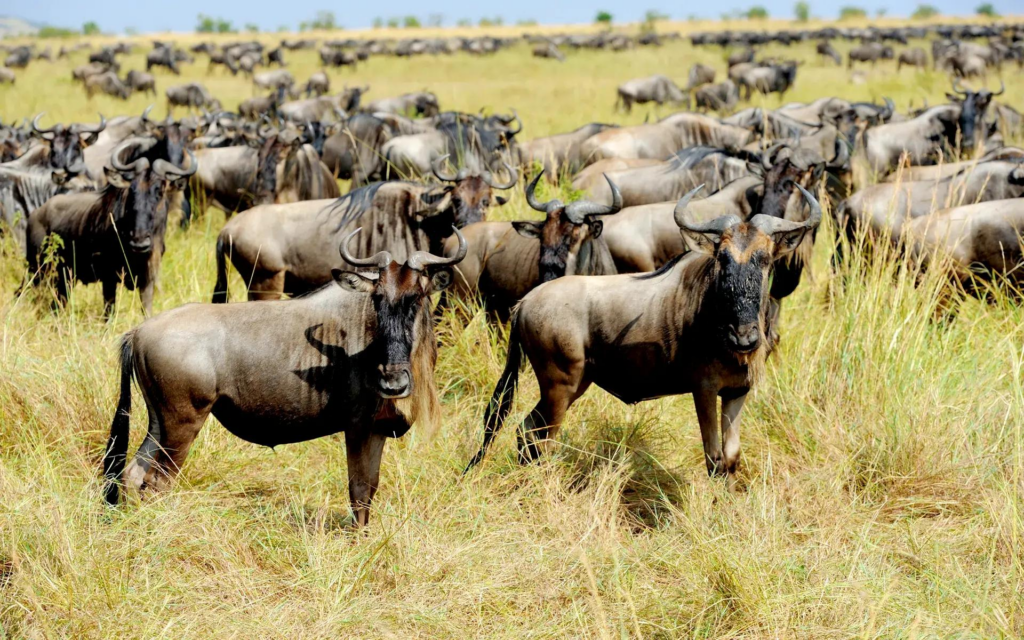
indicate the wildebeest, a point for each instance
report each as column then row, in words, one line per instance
column 869, row 52
column 507, row 259
column 478, row 143
column 106, row 56
column 279, row 249
column 922, row 138
column 717, row 97
column 974, row 243
column 272, row 167
column 548, row 50
column 561, row 152
column 915, row 57
column 275, row 79
column 191, row 95
column 256, row 107
column 93, row 68
column 19, row 58
column 697, row 326
column 162, row 57
column 773, row 78
column 7, row 76
column 354, row 151
column 657, row 89
column 318, row 84
column 141, row 81
column 324, row 107
column 741, row 56
column 421, row 104
column 700, row 74
column 883, row 209
column 115, row 234
column 364, row 365
column 663, row 139
column 825, row 49
column 337, row 58
column 109, row 84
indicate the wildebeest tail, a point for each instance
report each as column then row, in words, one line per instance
column 117, row 445
column 504, row 393
column 220, row 289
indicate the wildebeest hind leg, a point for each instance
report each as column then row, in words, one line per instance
column 266, row 286
column 542, row 425
column 171, row 434
column 364, row 450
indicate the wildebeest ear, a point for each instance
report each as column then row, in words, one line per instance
column 954, row 98
column 352, row 281
column 787, row 241
column 701, row 242
column 115, row 178
column 528, row 228
column 500, row 200
column 440, row 279
column 596, row 228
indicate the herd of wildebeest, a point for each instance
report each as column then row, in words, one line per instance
column 666, row 278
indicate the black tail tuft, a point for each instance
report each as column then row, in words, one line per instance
column 220, row 290
column 117, row 445
column 504, row 394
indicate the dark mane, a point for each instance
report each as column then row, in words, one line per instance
column 353, row 204
column 690, row 156
column 663, row 269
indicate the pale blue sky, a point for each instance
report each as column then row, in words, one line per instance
column 180, row 15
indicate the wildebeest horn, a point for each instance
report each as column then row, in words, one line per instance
column 766, row 155
column 771, row 224
column 1002, row 89
column 140, row 146
column 145, row 114
column 35, row 124
column 165, row 168
column 90, row 128
column 379, row 260
column 488, row 177
column 420, row 260
column 680, row 211
column 578, row 211
column 519, row 123
column 436, row 166
column 890, row 108
column 957, row 88
column 550, row 205
column 842, row 155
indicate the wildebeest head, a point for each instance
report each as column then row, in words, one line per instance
column 470, row 192
column 141, row 210
column 973, row 106
column 743, row 255
column 273, row 149
column 66, row 145
column 173, row 137
column 567, row 231
column 316, row 133
column 426, row 104
column 400, row 294
column 783, row 169
column 350, row 97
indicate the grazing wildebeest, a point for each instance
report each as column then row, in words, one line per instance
column 657, row 89
column 318, row 84
column 115, row 234
column 922, row 138
column 272, row 168
column 741, row 56
column 717, row 97
column 162, row 57
column 276, row 79
column 192, row 95
column 93, row 68
column 561, row 152
column 107, row 83
column 276, row 56
column 337, row 58
column 324, row 107
column 548, row 50
column 7, row 76
column 974, row 243
column 481, row 144
column 697, row 326
column 106, row 56
column 773, row 78
column 141, row 81
column 364, row 365
column 869, row 52
column 256, row 107
column 663, row 139
column 421, row 104
column 19, row 58
column 508, row 259
column 883, row 209
column 700, row 74
column 826, row 50
column 279, row 249
column 915, row 57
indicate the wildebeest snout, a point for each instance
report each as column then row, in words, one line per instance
column 395, row 381
column 745, row 337
column 141, row 244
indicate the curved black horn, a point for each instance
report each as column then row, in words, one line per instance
column 770, row 224
column 1002, row 89
column 890, row 109
column 90, row 128
column 578, row 211
column 165, row 168
column 420, row 260
column 437, row 164
column 766, row 155
column 842, row 155
column 35, row 124
column 957, row 88
column 379, row 260
column 550, row 205
column 145, row 114
column 141, row 146
column 519, row 123
column 488, row 177
column 680, row 211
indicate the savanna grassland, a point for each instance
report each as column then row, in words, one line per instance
column 881, row 489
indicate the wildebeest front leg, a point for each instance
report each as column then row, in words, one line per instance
column 732, row 404
column 706, row 403
column 109, row 297
column 364, row 451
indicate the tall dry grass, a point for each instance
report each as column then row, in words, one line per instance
column 880, row 492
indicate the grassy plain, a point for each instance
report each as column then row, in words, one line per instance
column 882, row 482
